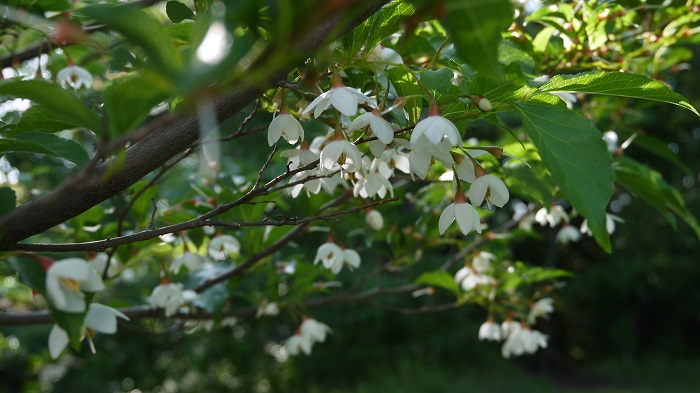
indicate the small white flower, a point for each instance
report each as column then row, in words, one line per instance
column 466, row 216
column 170, row 297
column 330, row 255
column 314, row 330
column 298, row 343
column 191, row 260
column 611, row 139
column 285, row 125
column 541, row 308
column 509, row 326
column 67, row 279
column 609, row 224
column 381, row 128
column 343, row 98
column 352, row 258
column 340, row 153
column 267, row 308
column 374, row 220
column 555, row 215
column 58, row 341
column 469, row 279
column 490, row 330
column 482, row 261
column 75, row 77
column 221, row 247
column 421, row 156
column 489, row 188
column 434, row 129
column 523, row 340
column 568, row 234
column 99, row 319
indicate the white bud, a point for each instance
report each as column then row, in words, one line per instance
column 484, row 104
column 375, row 220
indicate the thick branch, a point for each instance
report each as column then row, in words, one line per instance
column 76, row 195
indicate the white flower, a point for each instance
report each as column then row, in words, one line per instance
column 374, row 220
column 611, row 139
column 482, row 261
column 525, row 222
column 285, row 125
column 488, row 188
column 469, row 279
column 221, row 246
column 352, row 258
column 434, row 129
column 343, row 153
column 523, row 340
column 509, row 326
column 331, row 255
column 381, row 128
column 422, row 154
column 541, row 308
column 190, row 259
column 99, row 319
column 298, row 343
column 67, row 279
column 170, row 297
column 99, row 263
column 490, row 330
column 314, row 331
column 568, row 234
column 555, row 215
column 299, row 157
column 267, row 308
column 343, row 98
column 609, row 224
column 465, row 214
column 373, row 179
column 465, row 170
column 75, row 77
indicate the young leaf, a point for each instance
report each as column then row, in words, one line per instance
column 577, row 157
column 475, row 28
column 440, row 279
column 617, row 84
column 8, row 200
column 65, row 104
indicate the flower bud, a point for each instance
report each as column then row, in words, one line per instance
column 375, row 220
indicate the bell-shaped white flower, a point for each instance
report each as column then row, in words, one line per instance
column 221, row 247
column 75, row 77
column 330, row 255
column 344, row 99
column 190, row 260
column 482, row 261
column 434, row 129
column 351, row 258
column 67, row 279
column 381, row 128
column 340, row 154
column 568, row 234
column 523, row 340
column 374, row 219
column 170, row 297
column 298, row 343
column 466, row 216
column 99, row 319
column 541, row 308
column 314, row 330
column 285, row 126
column 421, row 156
column 490, row 331
column 489, row 188
column 553, row 217
column 509, row 326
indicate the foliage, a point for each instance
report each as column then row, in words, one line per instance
column 170, row 125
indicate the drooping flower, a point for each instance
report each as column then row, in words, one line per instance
column 220, row 247
column 344, row 99
column 482, row 261
column 340, row 154
column 568, row 234
column 298, row 343
column 171, row 297
column 67, row 279
column 287, row 127
column 469, row 279
column 75, row 77
column 330, row 255
column 381, row 128
column 314, row 330
column 267, row 308
column 553, row 217
column 489, row 188
column 490, row 331
column 523, row 340
column 190, row 260
column 609, row 224
column 466, row 216
column 540, row 308
column 434, row 129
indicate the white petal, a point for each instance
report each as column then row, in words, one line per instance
column 360, row 122
column 382, row 129
column 93, row 283
column 464, row 214
column 74, row 268
column 446, row 218
column 477, row 190
column 58, row 341
column 352, row 258
column 101, row 318
column 318, row 102
column 499, row 192
column 330, row 155
column 344, row 101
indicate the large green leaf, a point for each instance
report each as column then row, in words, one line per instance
column 142, row 29
column 617, row 84
column 45, row 143
column 40, row 118
column 406, row 85
column 376, row 28
column 650, row 186
column 65, row 104
column 573, row 150
column 439, row 278
column 8, row 200
column 128, row 102
column 475, row 28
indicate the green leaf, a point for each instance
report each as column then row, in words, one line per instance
column 475, row 28
column 617, row 84
column 376, row 28
column 44, row 143
column 63, row 103
column 539, row 44
column 40, row 118
column 577, row 157
column 406, row 85
column 439, row 278
column 533, row 183
column 523, row 274
column 141, row 29
column 30, row 273
column 72, row 323
column 128, row 102
column 177, row 12
column 8, row 201
column 438, row 82
column 650, row 186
